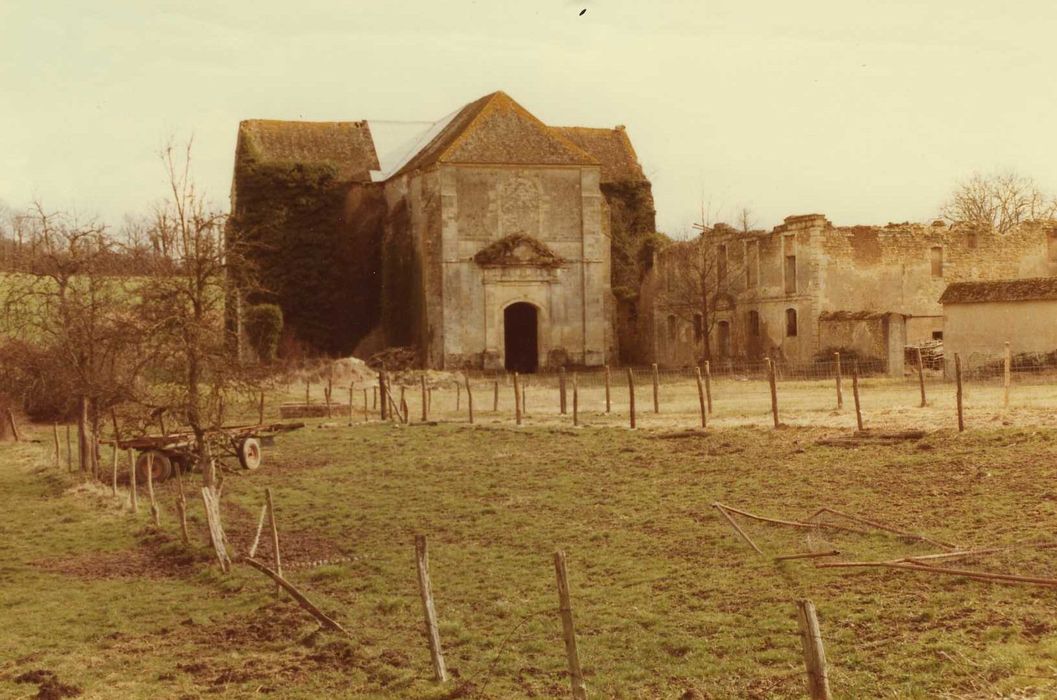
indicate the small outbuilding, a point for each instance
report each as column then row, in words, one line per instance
column 980, row 317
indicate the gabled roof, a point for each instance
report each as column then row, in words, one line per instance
column 347, row 146
column 497, row 130
column 1028, row 289
column 610, row 147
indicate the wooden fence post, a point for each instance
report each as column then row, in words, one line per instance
column 211, row 501
column 55, row 434
column 631, row 398
column 275, row 538
column 326, row 396
column 708, row 385
column 561, row 390
column 154, row 514
column 404, row 412
column 814, row 654
column 576, row 676
column 1007, row 367
column 181, row 509
column 840, row 388
column 381, row 397
column 608, row 402
column 307, row 395
column 365, row 416
column 576, row 401
column 855, row 393
column 656, row 391
column 958, row 380
column 260, row 410
column 495, row 396
column 425, row 590
column 524, row 399
column 425, row 399
column 350, row 404
column 774, row 390
column 132, row 481
column 517, row 398
column 469, row 398
column 458, row 397
column 14, row 426
column 921, row 376
column 69, row 450
column 374, row 397
column 701, row 398
column 113, row 465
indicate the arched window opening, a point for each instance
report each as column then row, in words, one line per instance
column 790, row 323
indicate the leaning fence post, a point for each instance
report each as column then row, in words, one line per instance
column 814, row 654
column 958, row 396
column 469, row 398
column 708, row 386
column 608, row 403
column 774, row 390
column 425, row 400
column 921, row 376
column 656, row 396
column 576, row 401
column 840, row 389
column 561, row 389
column 701, row 398
column 132, row 481
column 576, row 676
column 517, row 398
column 855, row 393
column 275, row 538
column 425, row 590
column 1007, row 366
column 631, row 398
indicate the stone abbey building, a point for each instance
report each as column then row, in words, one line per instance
column 806, row 288
column 484, row 240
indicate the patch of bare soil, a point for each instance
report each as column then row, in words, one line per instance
column 298, row 547
column 48, row 684
column 156, row 557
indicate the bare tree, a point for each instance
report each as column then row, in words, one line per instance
column 998, row 202
column 698, row 274
column 185, row 299
column 72, row 340
column 746, row 221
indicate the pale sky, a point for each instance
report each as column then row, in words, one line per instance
column 866, row 111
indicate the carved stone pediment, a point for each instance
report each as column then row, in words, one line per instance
column 518, row 250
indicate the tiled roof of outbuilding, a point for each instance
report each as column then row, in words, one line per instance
column 345, row 145
column 611, row 147
column 1028, row 289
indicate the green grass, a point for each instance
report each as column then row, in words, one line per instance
column 666, row 598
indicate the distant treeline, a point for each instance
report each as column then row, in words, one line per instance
column 25, row 256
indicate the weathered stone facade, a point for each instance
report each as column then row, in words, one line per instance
column 495, row 239
column 789, row 291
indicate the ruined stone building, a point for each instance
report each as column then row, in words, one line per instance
column 486, row 239
column 806, row 288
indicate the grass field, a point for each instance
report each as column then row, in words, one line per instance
column 666, row 598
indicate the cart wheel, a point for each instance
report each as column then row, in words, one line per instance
column 161, row 467
column 250, row 453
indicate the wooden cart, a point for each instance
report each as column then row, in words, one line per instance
column 167, row 453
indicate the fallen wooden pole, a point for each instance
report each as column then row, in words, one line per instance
column 808, row 555
column 883, row 526
column 968, row 573
column 425, row 591
column 814, row 654
column 792, row 523
column 737, row 528
column 304, row 602
column 565, row 610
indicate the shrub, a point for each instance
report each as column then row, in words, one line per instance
column 264, row 325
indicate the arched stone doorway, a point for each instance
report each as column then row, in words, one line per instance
column 521, row 337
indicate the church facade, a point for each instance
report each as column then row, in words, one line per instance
column 485, row 242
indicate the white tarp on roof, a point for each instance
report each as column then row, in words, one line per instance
column 397, row 142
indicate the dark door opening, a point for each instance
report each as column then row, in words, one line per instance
column 520, row 337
